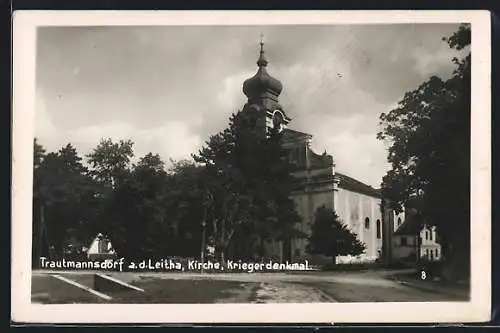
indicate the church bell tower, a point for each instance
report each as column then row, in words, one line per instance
column 262, row 91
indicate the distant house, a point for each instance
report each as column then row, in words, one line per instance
column 101, row 248
column 408, row 236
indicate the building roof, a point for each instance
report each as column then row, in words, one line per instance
column 262, row 81
column 292, row 135
column 412, row 223
column 351, row 184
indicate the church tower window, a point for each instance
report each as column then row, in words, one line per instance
column 278, row 120
column 367, row 223
column 379, row 230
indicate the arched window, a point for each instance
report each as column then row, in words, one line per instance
column 367, row 223
column 399, row 221
column 379, row 230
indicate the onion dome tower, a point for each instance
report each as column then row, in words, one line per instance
column 262, row 91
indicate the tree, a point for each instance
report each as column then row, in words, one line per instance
column 429, row 136
column 38, row 153
column 331, row 237
column 247, row 183
column 39, row 239
column 110, row 168
column 150, row 232
column 62, row 192
column 185, row 198
column 110, row 161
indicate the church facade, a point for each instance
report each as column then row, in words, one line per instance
column 357, row 204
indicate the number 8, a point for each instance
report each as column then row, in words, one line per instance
column 423, row 275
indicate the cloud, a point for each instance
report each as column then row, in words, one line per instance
column 46, row 132
column 358, row 156
column 170, row 88
column 172, row 140
column 230, row 96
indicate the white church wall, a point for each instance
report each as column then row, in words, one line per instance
column 398, row 219
column 353, row 209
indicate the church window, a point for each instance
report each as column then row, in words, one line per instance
column 379, row 229
column 430, row 235
column 403, row 241
column 426, row 235
column 399, row 221
column 367, row 223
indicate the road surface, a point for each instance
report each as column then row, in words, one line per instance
column 309, row 287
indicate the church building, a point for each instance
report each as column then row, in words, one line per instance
column 357, row 204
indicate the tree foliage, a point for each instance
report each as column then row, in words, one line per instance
column 331, row 237
column 247, row 187
column 109, row 161
column 237, row 190
column 64, row 192
column 429, row 136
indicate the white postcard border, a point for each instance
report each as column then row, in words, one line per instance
column 24, row 53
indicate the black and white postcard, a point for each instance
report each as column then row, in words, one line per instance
column 253, row 167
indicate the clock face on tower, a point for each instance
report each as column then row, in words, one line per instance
column 278, row 120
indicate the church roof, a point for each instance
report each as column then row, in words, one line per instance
column 292, row 135
column 261, row 82
column 351, row 184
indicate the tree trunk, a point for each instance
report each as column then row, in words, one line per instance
column 222, row 256
column 334, row 260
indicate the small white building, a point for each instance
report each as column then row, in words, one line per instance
column 101, row 248
column 410, row 235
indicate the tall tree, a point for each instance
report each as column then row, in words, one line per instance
column 110, row 167
column 186, row 204
column 63, row 191
column 150, row 232
column 39, row 240
column 247, row 183
column 429, row 135
column 38, row 153
column 331, row 237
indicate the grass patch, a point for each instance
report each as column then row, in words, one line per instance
column 47, row 289
column 169, row 291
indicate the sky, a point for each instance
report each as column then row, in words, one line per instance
column 169, row 88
